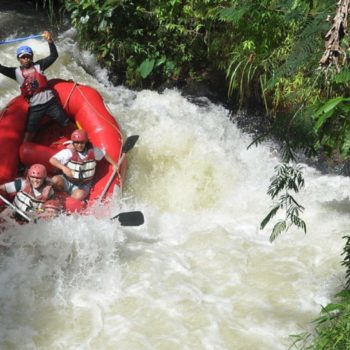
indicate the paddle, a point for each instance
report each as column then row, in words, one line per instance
column 128, row 145
column 18, row 211
column 130, row 218
column 9, row 41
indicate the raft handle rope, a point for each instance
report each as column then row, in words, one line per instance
column 98, row 113
column 76, row 86
column 69, row 95
column 10, row 41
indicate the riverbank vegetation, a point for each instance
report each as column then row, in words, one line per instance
column 269, row 52
column 273, row 56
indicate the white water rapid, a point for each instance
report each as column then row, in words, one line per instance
column 199, row 274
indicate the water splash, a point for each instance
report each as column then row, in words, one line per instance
column 199, row 274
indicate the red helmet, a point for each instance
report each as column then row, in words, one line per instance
column 79, row 135
column 37, row 170
column 53, row 203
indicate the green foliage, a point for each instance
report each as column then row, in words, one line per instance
column 332, row 125
column 268, row 49
column 346, row 260
column 275, row 51
column 155, row 40
column 288, row 178
column 306, row 43
column 146, row 67
column 259, row 30
column 332, row 328
column 52, row 7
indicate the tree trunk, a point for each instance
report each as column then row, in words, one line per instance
column 335, row 34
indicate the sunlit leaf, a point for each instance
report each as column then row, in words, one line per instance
column 146, row 68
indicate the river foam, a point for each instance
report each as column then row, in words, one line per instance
column 199, row 274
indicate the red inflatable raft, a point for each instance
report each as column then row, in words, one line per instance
column 85, row 107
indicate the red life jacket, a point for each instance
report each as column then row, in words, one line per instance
column 25, row 199
column 83, row 169
column 34, row 81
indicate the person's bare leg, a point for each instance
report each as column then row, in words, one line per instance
column 79, row 194
column 58, row 183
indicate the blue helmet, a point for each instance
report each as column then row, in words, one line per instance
column 24, row 50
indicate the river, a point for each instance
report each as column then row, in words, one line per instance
column 199, row 274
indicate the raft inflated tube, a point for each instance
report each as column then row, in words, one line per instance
column 32, row 153
column 86, row 108
column 12, row 125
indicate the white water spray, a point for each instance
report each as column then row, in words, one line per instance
column 199, row 274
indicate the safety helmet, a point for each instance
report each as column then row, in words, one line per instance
column 53, row 204
column 79, row 135
column 37, row 170
column 24, row 50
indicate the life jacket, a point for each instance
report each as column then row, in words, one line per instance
column 31, row 80
column 26, row 201
column 83, row 169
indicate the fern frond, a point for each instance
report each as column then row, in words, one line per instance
column 278, row 229
column 287, row 152
column 287, row 178
column 269, row 216
column 346, row 260
column 305, row 50
column 342, row 77
column 345, row 145
column 259, row 140
column 298, row 222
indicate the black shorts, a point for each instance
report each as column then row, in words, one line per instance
column 52, row 109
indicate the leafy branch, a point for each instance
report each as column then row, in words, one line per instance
column 288, row 178
column 346, row 261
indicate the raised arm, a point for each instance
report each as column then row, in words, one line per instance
column 48, row 61
column 10, row 72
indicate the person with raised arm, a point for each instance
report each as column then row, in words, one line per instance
column 34, row 87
